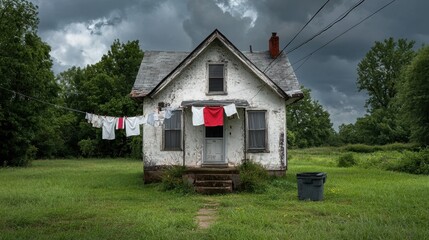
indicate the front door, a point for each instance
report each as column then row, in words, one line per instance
column 214, row 147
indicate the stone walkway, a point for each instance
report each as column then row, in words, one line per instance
column 207, row 215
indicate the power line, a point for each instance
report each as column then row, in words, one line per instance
column 355, row 25
column 296, row 35
column 41, row 101
column 328, row 27
column 340, row 18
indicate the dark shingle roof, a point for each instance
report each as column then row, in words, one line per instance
column 160, row 67
column 156, row 65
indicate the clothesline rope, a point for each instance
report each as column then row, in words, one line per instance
column 41, row 101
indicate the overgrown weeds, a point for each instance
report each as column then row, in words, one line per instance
column 412, row 162
column 253, row 177
column 172, row 180
column 346, row 160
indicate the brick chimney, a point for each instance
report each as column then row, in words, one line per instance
column 274, row 45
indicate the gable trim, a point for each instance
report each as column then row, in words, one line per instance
column 200, row 48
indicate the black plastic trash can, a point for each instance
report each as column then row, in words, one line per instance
column 310, row 185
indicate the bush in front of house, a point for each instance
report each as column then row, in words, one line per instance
column 346, row 160
column 412, row 162
column 253, row 177
column 172, row 180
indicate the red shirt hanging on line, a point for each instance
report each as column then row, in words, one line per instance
column 213, row 116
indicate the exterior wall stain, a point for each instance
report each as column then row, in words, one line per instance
column 282, row 150
column 191, row 84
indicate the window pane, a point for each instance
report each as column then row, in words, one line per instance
column 257, row 131
column 172, row 131
column 256, row 120
column 172, row 139
column 216, row 85
column 216, row 71
column 175, row 122
column 216, row 78
column 257, row 139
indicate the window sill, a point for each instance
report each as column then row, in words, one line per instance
column 216, row 93
column 171, row 150
column 257, row 151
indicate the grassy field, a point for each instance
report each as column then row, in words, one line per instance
column 106, row 199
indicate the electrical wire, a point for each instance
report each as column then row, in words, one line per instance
column 341, row 34
column 296, row 35
column 305, row 59
column 340, row 18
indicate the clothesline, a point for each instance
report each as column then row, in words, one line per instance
column 208, row 116
column 109, row 124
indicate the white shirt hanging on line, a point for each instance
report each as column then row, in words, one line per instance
column 97, row 121
column 230, row 110
column 88, row 117
column 197, row 116
column 132, row 126
column 109, row 124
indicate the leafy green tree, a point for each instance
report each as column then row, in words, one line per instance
column 378, row 75
column 413, row 96
column 309, row 123
column 379, row 70
column 25, row 67
column 103, row 88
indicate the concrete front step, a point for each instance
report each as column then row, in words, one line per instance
column 213, row 183
column 212, row 180
column 206, row 177
column 213, row 190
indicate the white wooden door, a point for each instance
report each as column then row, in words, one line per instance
column 214, row 146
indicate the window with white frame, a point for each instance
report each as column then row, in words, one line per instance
column 216, row 78
column 173, row 132
column 257, row 131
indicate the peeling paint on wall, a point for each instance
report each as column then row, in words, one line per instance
column 282, row 150
column 191, row 84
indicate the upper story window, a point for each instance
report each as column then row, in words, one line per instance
column 216, row 79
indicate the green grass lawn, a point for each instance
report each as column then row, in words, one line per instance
column 106, row 199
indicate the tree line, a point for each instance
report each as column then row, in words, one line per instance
column 392, row 73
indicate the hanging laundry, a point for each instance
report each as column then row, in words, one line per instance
column 96, row 121
column 230, row 110
column 213, row 116
column 108, row 132
column 120, row 123
column 152, row 118
column 141, row 120
column 132, row 126
column 197, row 116
column 88, row 117
column 168, row 112
column 161, row 117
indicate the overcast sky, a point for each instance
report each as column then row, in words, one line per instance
column 81, row 31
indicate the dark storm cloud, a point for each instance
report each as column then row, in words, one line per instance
column 205, row 16
column 182, row 25
column 54, row 14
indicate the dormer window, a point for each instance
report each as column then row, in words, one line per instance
column 216, row 79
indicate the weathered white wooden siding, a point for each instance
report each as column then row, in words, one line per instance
column 191, row 84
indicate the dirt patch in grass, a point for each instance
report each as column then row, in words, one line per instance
column 207, row 215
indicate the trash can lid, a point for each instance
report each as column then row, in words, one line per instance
column 311, row 174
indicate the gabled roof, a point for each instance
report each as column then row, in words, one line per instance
column 159, row 68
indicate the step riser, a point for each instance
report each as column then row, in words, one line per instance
column 206, row 177
column 213, row 183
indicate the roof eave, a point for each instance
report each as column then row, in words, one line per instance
column 294, row 96
column 200, row 48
